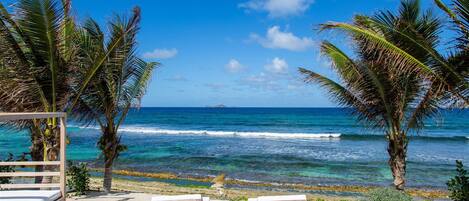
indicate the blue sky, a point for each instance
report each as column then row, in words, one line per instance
column 242, row 53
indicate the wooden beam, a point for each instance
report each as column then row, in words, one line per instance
column 63, row 145
column 29, row 163
column 29, row 174
column 28, row 116
column 24, row 186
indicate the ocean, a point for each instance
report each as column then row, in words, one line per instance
column 312, row 146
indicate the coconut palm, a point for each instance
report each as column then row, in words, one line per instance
column 37, row 57
column 119, row 84
column 388, row 82
column 41, row 57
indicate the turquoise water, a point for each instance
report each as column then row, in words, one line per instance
column 295, row 145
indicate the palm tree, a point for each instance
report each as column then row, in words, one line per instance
column 119, row 85
column 37, row 58
column 388, row 83
column 41, row 57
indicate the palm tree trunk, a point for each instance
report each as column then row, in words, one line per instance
column 108, row 146
column 107, row 181
column 397, row 150
column 35, row 156
column 36, row 151
column 53, row 146
column 47, row 179
column 52, row 155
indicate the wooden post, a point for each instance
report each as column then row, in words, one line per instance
column 63, row 144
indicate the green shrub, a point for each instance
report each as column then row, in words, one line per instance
column 458, row 186
column 242, row 198
column 6, row 180
column 78, row 178
column 387, row 194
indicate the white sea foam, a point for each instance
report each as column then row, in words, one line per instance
column 149, row 130
column 229, row 133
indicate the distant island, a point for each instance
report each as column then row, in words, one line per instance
column 217, row 106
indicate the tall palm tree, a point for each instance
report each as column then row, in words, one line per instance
column 37, row 59
column 119, row 84
column 387, row 83
column 41, row 57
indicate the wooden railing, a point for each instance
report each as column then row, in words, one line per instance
column 61, row 163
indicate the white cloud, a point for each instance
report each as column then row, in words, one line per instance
column 278, row 8
column 279, row 83
column 261, row 81
column 278, row 39
column 277, row 65
column 233, row 66
column 161, row 54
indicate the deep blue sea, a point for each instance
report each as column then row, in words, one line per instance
column 317, row 146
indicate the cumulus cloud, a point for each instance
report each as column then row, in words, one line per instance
column 277, row 65
column 261, row 81
column 278, row 8
column 161, row 54
column 234, row 66
column 279, row 83
column 278, row 39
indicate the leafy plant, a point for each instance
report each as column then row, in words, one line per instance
column 78, row 177
column 458, row 186
column 242, row 198
column 6, row 180
column 387, row 194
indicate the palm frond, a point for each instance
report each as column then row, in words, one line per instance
column 376, row 42
column 428, row 106
column 342, row 63
column 136, row 85
column 389, row 53
column 462, row 10
column 409, row 10
column 447, row 10
column 116, row 41
column 343, row 97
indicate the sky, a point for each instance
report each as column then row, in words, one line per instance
column 240, row 53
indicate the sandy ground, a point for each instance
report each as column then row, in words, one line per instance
column 129, row 190
column 116, row 196
column 126, row 190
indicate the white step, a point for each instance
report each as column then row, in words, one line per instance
column 191, row 197
column 280, row 198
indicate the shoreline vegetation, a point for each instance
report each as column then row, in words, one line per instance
column 239, row 188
